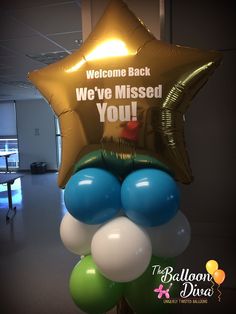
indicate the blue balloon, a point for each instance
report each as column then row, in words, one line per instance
column 150, row 197
column 92, row 195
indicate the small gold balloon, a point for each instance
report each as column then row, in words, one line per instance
column 211, row 266
column 125, row 92
column 219, row 276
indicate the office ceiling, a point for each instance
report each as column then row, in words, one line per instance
column 33, row 34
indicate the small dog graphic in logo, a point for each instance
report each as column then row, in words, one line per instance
column 162, row 292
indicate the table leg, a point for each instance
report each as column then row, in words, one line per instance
column 10, row 207
column 6, row 160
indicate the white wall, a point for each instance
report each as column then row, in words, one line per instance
column 7, row 118
column 150, row 14
column 36, row 133
column 210, row 121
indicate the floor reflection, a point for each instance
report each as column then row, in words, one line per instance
column 31, row 252
column 63, row 207
column 16, row 194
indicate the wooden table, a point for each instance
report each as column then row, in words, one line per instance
column 6, row 155
column 9, row 178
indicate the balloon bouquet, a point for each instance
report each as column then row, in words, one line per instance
column 121, row 100
column 218, row 275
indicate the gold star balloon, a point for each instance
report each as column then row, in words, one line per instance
column 124, row 94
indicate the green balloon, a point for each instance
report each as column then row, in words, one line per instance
column 117, row 165
column 140, row 293
column 93, row 293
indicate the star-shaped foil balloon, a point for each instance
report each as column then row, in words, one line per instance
column 124, row 93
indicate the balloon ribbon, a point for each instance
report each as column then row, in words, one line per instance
column 219, row 295
column 213, row 284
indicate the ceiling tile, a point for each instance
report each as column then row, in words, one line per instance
column 8, row 92
column 11, row 29
column 69, row 40
column 60, row 18
column 23, row 4
column 5, row 52
column 20, row 66
column 36, row 44
column 33, row 27
column 10, row 60
column 7, row 71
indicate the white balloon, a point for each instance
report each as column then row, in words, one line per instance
column 75, row 235
column 121, row 250
column 172, row 238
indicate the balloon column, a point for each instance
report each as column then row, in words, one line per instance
column 121, row 100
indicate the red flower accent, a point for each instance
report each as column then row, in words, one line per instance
column 131, row 131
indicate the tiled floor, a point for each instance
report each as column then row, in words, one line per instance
column 35, row 267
